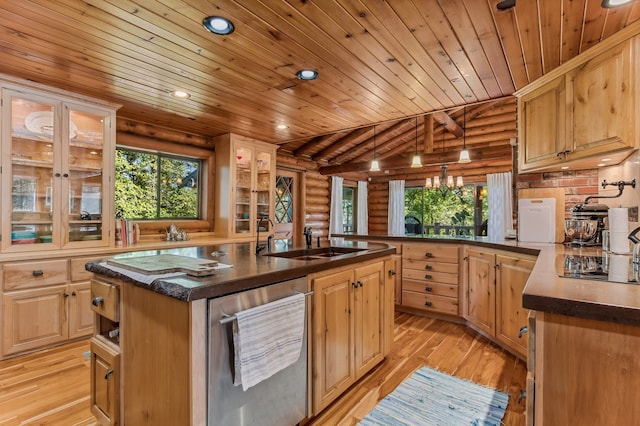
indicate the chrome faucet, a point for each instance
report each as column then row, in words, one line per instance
column 307, row 237
column 259, row 248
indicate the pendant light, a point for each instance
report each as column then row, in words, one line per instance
column 464, row 154
column 416, row 162
column 375, row 166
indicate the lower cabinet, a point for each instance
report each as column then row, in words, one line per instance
column 352, row 322
column 494, row 282
column 44, row 303
column 105, row 381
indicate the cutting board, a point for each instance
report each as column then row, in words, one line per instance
column 558, row 195
column 537, row 220
column 166, row 263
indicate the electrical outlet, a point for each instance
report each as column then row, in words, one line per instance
column 633, row 214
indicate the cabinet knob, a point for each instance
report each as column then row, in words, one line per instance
column 392, row 272
column 57, row 175
column 37, row 273
column 354, row 285
column 427, row 303
column 428, row 254
column 360, row 284
column 97, row 300
column 428, row 267
column 73, row 293
column 428, row 277
column 65, row 175
column 109, row 373
column 428, row 289
column 66, row 295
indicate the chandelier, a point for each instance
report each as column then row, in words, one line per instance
column 443, row 182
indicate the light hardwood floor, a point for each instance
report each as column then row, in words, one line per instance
column 52, row 387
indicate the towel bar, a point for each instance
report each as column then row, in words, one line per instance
column 230, row 318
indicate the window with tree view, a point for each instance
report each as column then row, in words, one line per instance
column 156, row 186
column 455, row 212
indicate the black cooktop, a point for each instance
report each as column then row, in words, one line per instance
column 608, row 267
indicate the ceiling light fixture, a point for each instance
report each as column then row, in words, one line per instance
column 375, row 166
column 307, row 74
column 464, row 154
column 505, row 4
column 416, row 161
column 181, row 94
column 608, row 4
column 218, row 25
column 282, row 127
column 444, row 183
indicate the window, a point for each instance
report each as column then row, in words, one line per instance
column 348, row 209
column 457, row 212
column 156, row 186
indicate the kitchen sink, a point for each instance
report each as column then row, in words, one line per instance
column 315, row 253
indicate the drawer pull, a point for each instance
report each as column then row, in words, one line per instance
column 523, row 330
column 428, row 267
column 392, row 272
column 109, row 373
column 428, row 276
column 97, row 301
column 427, row 303
column 428, row 289
column 37, row 273
column 428, row 254
column 360, row 284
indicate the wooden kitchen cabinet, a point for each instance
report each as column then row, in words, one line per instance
column 581, row 111
column 105, row 381
column 57, row 161
column 494, row 283
column 245, row 183
column 430, row 273
column 351, row 326
column 44, row 304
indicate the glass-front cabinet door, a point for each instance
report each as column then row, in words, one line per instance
column 253, row 188
column 53, row 157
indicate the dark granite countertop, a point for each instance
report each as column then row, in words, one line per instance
column 249, row 271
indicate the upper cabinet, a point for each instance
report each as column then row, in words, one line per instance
column 245, row 182
column 582, row 111
column 57, row 157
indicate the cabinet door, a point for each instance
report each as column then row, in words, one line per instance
column 244, row 216
column 105, row 387
column 480, row 302
column 34, row 318
column 333, row 343
column 368, row 297
column 511, row 276
column 81, row 316
column 602, row 103
column 541, row 125
column 31, row 171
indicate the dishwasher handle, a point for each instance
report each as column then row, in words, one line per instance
column 230, row 318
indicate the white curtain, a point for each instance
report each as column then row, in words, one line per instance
column 335, row 215
column 362, row 222
column 500, row 208
column 395, row 219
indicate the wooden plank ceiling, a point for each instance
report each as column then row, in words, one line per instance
column 379, row 62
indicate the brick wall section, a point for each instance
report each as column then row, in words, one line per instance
column 577, row 185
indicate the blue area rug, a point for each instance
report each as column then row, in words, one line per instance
column 430, row 397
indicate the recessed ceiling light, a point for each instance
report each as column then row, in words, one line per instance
column 601, row 164
column 564, row 167
column 607, row 4
column 282, row 127
column 307, row 74
column 606, row 159
column 218, row 25
column 181, row 94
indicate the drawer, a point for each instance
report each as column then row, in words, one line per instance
column 428, row 276
column 43, row 273
column 448, row 290
column 78, row 271
column 448, row 253
column 429, row 265
column 105, row 299
column 428, row 302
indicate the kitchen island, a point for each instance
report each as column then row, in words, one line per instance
column 152, row 352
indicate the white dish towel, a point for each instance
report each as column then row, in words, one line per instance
column 267, row 339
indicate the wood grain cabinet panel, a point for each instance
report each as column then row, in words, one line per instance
column 105, row 382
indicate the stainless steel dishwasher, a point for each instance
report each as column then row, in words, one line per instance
column 281, row 400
